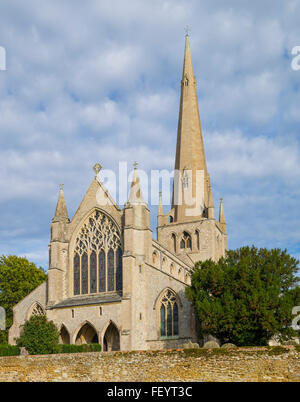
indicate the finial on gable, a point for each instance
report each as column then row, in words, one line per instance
column 97, row 168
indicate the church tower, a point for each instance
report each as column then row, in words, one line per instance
column 190, row 230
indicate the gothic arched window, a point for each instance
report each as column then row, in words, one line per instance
column 198, row 239
column 97, row 261
column 186, row 241
column 36, row 309
column 168, row 314
column 174, row 242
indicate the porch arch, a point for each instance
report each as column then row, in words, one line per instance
column 64, row 336
column 86, row 333
column 111, row 337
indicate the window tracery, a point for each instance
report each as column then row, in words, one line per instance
column 97, row 263
column 186, row 241
column 37, row 310
column 168, row 315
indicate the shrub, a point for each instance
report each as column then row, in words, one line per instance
column 247, row 297
column 277, row 350
column 93, row 347
column 9, row 350
column 40, row 336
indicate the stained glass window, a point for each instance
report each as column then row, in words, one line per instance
column 98, row 234
column 110, row 271
column 175, row 319
column 93, row 273
column 84, row 274
column 186, row 241
column 169, row 315
column 119, row 278
column 169, row 319
column 76, row 274
column 162, row 321
column 102, row 276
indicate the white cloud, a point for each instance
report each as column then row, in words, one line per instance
column 232, row 153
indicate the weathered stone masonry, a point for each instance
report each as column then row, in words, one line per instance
column 243, row 364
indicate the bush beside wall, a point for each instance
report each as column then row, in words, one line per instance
column 93, row 347
column 9, row 350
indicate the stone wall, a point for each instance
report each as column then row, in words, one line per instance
column 242, row 364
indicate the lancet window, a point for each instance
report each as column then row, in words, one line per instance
column 168, row 315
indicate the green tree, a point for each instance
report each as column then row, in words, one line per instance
column 39, row 336
column 18, row 277
column 246, row 297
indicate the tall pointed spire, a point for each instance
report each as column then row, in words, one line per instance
column 190, row 155
column 61, row 213
column 135, row 194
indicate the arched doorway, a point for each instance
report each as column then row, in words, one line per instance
column 111, row 339
column 64, row 336
column 87, row 334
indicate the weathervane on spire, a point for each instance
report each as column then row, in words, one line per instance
column 187, row 30
column 135, row 165
column 61, row 186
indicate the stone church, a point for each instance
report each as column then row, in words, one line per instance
column 109, row 281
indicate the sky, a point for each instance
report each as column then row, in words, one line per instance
column 99, row 81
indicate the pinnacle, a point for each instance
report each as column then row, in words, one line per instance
column 61, row 213
column 135, row 194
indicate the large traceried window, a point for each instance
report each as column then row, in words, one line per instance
column 97, row 261
column 168, row 315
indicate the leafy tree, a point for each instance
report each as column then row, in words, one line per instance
column 246, row 297
column 39, row 336
column 18, row 277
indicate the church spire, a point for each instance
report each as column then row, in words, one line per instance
column 61, row 213
column 190, row 162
